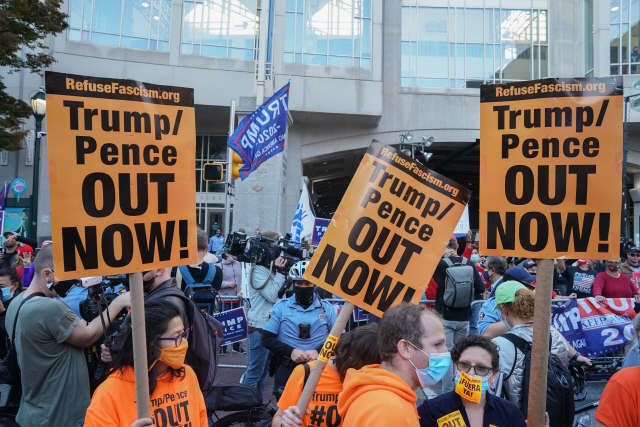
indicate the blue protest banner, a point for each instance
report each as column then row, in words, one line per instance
column 319, row 228
column 594, row 328
column 235, row 324
column 261, row 134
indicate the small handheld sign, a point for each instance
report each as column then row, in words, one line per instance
column 469, row 387
column 18, row 187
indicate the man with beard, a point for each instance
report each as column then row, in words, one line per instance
column 298, row 327
column 11, row 247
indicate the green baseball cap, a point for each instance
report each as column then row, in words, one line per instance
column 506, row 292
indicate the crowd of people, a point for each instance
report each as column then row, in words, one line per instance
column 478, row 352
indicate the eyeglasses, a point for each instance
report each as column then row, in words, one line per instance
column 481, row 370
column 178, row 340
column 634, row 255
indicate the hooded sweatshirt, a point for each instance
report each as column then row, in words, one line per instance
column 175, row 402
column 376, row 397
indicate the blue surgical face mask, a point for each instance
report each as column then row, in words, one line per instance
column 6, row 294
column 485, row 381
column 475, row 257
column 438, row 366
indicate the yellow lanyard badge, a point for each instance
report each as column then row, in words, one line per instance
column 469, row 388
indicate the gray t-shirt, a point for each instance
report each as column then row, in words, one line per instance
column 55, row 380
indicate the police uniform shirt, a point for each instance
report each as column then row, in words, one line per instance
column 287, row 315
column 447, row 410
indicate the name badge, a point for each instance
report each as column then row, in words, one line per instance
column 453, row 419
column 469, row 388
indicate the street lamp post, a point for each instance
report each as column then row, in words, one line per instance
column 39, row 107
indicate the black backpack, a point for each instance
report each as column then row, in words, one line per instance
column 560, row 404
column 205, row 338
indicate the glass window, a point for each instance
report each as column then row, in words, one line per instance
column 329, row 32
column 210, row 149
column 624, row 32
column 588, row 36
column 222, row 28
column 458, row 47
column 432, row 56
column 136, row 24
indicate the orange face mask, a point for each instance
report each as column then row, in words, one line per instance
column 173, row 356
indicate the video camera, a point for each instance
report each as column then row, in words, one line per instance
column 263, row 251
column 101, row 291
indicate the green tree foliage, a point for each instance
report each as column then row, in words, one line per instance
column 23, row 24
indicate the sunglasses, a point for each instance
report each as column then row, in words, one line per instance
column 481, row 370
column 178, row 340
column 634, row 255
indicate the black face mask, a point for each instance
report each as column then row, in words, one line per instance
column 63, row 287
column 304, row 296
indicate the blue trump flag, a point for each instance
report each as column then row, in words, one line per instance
column 261, row 134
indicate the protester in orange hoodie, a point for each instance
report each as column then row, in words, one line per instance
column 412, row 348
column 176, row 399
column 354, row 350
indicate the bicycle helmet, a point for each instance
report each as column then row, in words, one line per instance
column 297, row 271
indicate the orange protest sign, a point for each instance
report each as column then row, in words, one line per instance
column 550, row 168
column 469, row 387
column 389, row 232
column 121, row 175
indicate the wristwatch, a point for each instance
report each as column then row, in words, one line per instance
column 574, row 357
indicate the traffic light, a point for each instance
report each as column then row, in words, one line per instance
column 213, row 172
column 236, row 165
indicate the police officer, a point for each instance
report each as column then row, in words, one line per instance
column 298, row 327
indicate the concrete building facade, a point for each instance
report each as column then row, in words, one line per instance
column 359, row 70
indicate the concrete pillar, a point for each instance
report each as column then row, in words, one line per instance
column 635, row 197
column 564, row 50
column 601, row 42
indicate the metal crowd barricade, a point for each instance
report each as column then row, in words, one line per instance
column 233, row 359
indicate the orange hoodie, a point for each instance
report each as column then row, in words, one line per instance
column 173, row 403
column 375, row 397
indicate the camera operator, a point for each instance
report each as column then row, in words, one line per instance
column 49, row 343
column 298, row 327
column 264, row 284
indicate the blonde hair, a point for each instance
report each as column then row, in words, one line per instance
column 523, row 306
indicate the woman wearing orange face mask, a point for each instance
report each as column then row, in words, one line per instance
column 173, row 387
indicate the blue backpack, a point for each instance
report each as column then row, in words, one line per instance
column 202, row 294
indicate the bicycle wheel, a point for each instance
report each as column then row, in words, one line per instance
column 243, row 419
